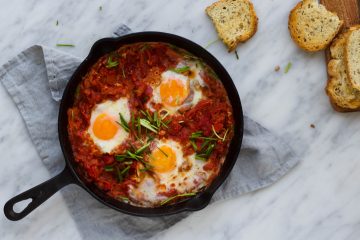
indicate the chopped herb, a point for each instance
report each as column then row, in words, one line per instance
column 196, row 134
column 236, row 54
column 287, row 68
column 128, row 162
column 145, row 123
column 109, row 168
column 147, row 168
column 123, row 123
column 197, row 157
column 123, row 72
column 138, row 126
column 204, row 138
column 120, row 158
column 207, row 146
column 211, row 43
column 110, row 63
column 123, row 198
column 133, row 155
column 122, row 173
column 125, row 170
column 181, row 69
column 162, row 151
column 177, row 196
column 132, row 121
column 142, row 149
column 119, row 176
column 64, row 45
column 194, row 145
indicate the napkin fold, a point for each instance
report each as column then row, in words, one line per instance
column 35, row 80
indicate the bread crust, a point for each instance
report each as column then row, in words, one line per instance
column 241, row 38
column 337, row 57
column 347, row 57
column 299, row 40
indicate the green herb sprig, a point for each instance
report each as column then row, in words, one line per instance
column 65, row 45
column 123, row 123
column 203, row 153
column 111, row 63
column 177, row 196
column 181, row 69
column 288, row 67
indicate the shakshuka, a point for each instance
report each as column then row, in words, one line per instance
column 150, row 125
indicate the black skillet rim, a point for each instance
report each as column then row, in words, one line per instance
column 106, row 45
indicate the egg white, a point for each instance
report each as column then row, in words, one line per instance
column 111, row 109
column 147, row 192
column 195, row 83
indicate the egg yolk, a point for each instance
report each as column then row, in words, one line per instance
column 104, row 127
column 173, row 92
column 163, row 159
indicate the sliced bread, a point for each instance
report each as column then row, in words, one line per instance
column 312, row 27
column 234, row 20
column 343, row 97
column 352, row 56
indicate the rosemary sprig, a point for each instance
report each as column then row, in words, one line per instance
column 176, row 196
column 111, row 63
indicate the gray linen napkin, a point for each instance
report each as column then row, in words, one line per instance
column 35, row 80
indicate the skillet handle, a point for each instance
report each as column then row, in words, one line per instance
column 38, row 195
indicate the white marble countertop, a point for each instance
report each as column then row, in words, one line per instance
column 318, row 200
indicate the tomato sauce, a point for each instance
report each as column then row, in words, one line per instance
column 137, row 67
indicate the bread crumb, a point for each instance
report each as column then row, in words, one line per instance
column 312, row 125
column 277, row 68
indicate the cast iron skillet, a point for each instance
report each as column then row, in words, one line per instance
column 69, row 175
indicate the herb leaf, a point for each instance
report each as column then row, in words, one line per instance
column 145, row 123
column 64, row 45
column 287, row 68
column 111, row 63
column 177, row 196
column 109, row 168
column 123, row 123
column 181, row 69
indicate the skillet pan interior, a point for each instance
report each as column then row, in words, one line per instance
column 106, row 45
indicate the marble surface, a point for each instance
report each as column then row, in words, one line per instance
column 317, row 200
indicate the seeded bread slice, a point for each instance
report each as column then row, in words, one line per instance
column 343, row 97
column 234, row 20
column 312, row 27
column 352, row 56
